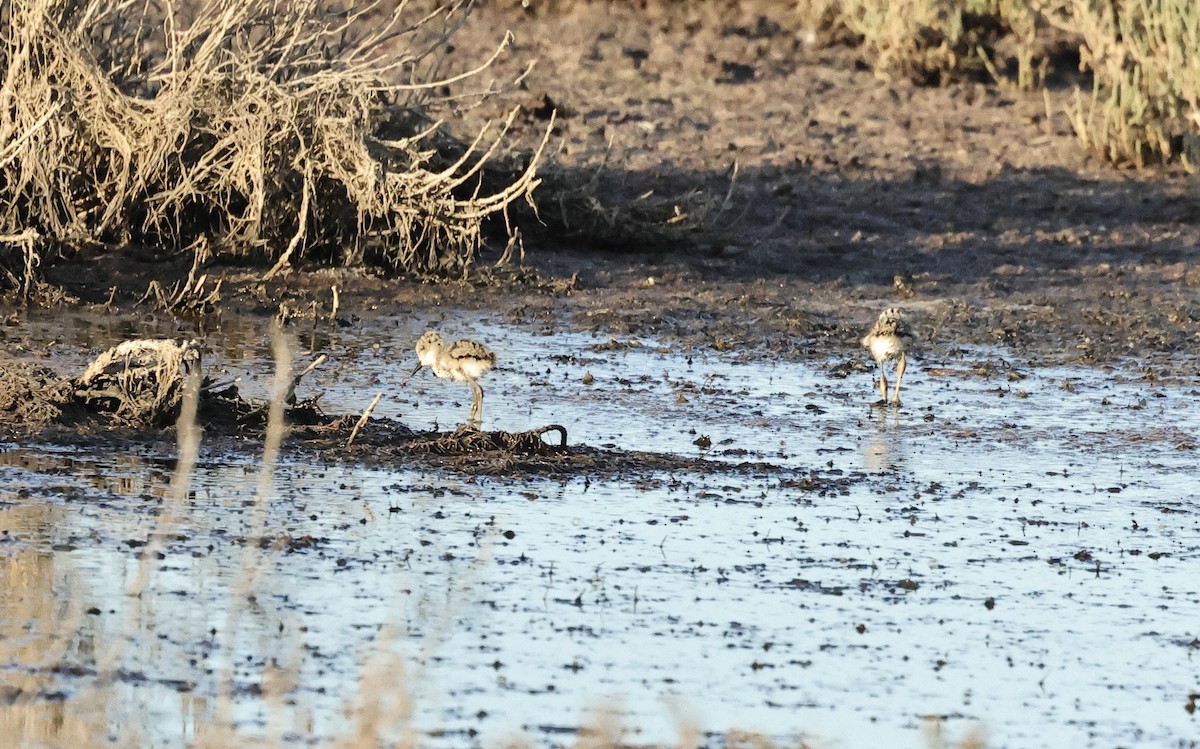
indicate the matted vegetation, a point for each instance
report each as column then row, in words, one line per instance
column 283, row 131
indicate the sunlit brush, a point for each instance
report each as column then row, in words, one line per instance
column 464, row 360
column 888, row 340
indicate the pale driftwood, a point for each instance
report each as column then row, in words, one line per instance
column 363, row 420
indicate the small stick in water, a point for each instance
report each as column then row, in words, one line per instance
column 363, row 419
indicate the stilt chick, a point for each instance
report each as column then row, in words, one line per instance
column 464, row 361
column 888, row 340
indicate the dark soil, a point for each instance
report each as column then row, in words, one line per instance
column 972, row 203
column 36, row 403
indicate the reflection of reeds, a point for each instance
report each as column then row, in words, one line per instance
column 43, row 626
column 383, row 706
column 39, row 629
column 247, row 583
column 171, row 516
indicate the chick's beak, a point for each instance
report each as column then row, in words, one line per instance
column 416, row 369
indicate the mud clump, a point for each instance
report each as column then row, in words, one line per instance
column 31, row 395
column 470, row 440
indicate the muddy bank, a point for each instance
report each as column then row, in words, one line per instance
column 134, row 392
column 1044, row 308
column 824, row 192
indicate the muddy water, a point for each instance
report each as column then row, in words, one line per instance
column 1016, row 548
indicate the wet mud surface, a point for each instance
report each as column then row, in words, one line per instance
column 126, row 398
column 743, row 543
column 1013, row 548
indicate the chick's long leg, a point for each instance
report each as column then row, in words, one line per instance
column 883, row 383
column 476, row 417
column 900, row 365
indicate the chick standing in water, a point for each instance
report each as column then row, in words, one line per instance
column 888, row 341
column 464, row 361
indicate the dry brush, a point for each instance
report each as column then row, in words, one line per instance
column 282, row 131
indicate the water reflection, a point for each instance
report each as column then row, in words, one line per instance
column 40, row 629
column 885, row 449
column 117, row 471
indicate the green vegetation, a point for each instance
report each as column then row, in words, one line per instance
column 1143, row 57
column 932, row 41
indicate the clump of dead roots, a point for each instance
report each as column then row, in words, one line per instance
column 139, row 382
column 286, row 131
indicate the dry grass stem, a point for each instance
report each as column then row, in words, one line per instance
column 289, row 397
column 188, row 435
column 191, row 295
column 21, row 270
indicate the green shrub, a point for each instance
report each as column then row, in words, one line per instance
column 1145, row 60
column 1143, row 55
column 933, row 41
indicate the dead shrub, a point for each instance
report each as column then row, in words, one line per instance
column 288, row 131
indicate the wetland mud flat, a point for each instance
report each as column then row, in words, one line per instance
column 1012, row 549
column 1011, row 552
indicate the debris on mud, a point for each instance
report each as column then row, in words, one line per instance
column 135, row 389
column 472, row 440
column 31, row 396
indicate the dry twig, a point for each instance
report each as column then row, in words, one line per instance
column 363, row 420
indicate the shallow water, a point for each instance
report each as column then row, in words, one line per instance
column 1014, row 553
